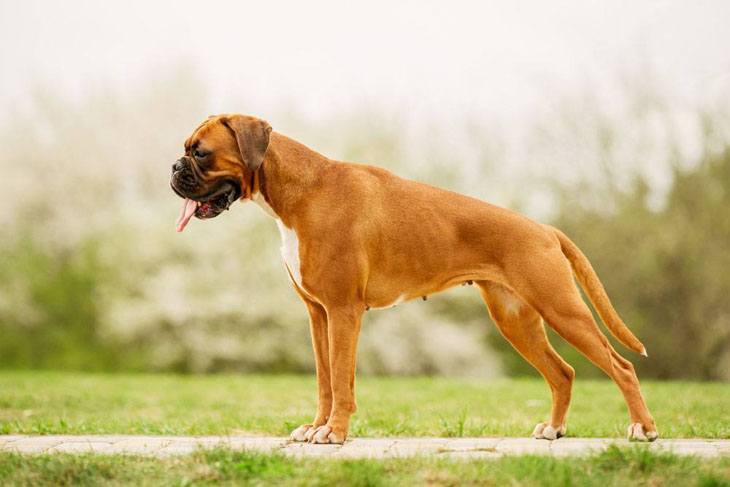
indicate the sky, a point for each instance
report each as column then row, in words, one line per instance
column 499, row 59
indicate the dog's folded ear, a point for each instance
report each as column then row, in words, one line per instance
column 252, row 135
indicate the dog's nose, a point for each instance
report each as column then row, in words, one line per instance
column 178, row 166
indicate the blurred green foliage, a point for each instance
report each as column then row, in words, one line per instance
column 58, row 326
column 665, row 271
column 93, row 277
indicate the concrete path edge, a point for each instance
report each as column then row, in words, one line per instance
column 468, row 448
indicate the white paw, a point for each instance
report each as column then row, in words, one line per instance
column 309, row 435
column 545, row 431
column 321, row 434
column 636, row 433
column 324, row 435
column 300, row 434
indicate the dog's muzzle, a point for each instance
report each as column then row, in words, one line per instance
column 201, row 201
column 183, row 179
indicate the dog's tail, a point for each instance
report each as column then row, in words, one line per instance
column 592, row 286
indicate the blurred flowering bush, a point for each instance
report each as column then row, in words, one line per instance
column 95, row 277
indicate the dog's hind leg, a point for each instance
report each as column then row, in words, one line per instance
column 548, row 285
column 577, row 326
column 522, row 326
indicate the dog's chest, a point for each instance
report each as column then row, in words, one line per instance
column 290, row 251
column 289, row 241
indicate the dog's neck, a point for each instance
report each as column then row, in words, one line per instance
column 279, row 187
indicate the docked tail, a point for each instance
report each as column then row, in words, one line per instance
column 597, row 294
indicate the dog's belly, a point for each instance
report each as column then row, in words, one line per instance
column 386, row 302
column 389, row 287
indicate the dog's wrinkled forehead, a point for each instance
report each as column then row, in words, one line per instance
column 211, row 133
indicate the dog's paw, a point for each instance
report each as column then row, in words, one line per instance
column 636, row 433
column 300, row 434
column 545, row 431
column 323, row 435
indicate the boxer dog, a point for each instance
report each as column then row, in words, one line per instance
column 356, row 237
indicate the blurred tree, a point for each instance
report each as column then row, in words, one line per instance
column 50, row 317
column 664, row 269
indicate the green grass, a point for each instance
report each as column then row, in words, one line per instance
column 614, row 467
column 72, row 403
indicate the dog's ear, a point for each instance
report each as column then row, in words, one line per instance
column 252, row 137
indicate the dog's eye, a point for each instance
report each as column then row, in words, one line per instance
column 200, row 154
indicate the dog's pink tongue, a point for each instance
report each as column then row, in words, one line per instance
column 187, row 212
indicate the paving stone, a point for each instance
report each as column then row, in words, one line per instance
column 257, row 443
column 371, row 442
column 177, row 449
column 722, row 447
column 309, row 449
column 366, row 448
column 260, row 444
column 521, row 446
column 201, row 443
column 102, row 438
column 6, row 439
column 578, row 446
column 139, row 446
column 80, row 447
column 416, row 446
column 471, row 455
column 33, row 444
column 471, row 444
column 422, row 441
column 362, row 452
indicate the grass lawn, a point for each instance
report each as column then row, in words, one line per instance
column 614, row 467
column 56, row 402
column 72, row 403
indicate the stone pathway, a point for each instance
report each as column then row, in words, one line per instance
column 161, row 446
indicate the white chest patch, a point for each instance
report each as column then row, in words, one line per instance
column 289, row 240
column 290, row 251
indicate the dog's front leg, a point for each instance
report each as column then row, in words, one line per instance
column 318, row 328
column 343, row 329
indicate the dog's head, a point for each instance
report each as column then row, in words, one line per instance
column 220, row 157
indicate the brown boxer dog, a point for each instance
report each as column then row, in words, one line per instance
column 357, row 237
